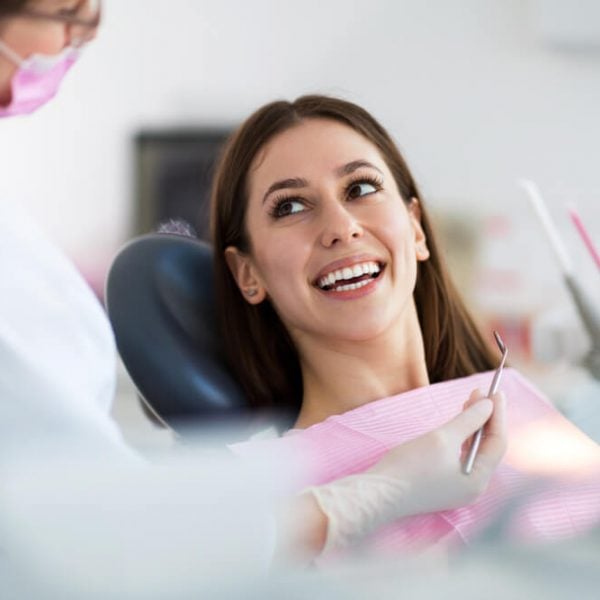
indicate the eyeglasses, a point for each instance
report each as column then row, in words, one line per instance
column 80, row 23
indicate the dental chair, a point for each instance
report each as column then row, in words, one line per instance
column 160, row 301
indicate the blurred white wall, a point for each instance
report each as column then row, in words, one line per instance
column 475, row 92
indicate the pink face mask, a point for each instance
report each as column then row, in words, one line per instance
column 37, row 79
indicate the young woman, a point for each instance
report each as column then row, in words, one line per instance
column 305, row 191
column 336, row 301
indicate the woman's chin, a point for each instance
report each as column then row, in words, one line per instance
column 356, row 332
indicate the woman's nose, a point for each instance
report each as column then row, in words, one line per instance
column 339, row 225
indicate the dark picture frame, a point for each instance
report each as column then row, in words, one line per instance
column 173, row 175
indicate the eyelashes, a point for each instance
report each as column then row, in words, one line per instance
column 285, row 204
column 281, row 205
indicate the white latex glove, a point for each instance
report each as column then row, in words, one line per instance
column 421, row 476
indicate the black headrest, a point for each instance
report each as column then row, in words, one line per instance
column 160, row 301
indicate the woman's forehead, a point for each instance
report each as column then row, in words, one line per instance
column 312, row 146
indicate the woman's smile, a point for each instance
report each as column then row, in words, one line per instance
column 350, row 278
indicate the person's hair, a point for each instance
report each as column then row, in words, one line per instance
column 11, row 7
column 259, row 350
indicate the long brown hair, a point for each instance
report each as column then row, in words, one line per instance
column 258, row 347
column 11, row 7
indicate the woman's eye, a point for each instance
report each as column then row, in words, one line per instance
column 361, row 188
column 288, row 207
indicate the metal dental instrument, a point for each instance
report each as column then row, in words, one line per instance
column 468, row 466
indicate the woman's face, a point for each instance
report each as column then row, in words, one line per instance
column 333, row 244
column 26, row 35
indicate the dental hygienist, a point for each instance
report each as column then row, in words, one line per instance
column 57, row 354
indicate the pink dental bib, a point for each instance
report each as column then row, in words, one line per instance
column 532, row 496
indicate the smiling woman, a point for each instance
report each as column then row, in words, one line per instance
column 336, row 305
column 319, row 222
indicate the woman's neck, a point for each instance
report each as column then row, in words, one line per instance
column 341, row 375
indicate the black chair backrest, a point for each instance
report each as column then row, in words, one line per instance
column 160, row 301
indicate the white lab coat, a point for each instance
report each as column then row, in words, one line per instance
column 57, row 352
column 79, row 509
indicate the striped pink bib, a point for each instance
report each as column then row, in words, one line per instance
column 523, row 505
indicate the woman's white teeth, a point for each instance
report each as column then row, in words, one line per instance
column 351, row 286
column 366, row 268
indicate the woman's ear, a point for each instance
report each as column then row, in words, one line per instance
column 414, row 212
column 244, row 273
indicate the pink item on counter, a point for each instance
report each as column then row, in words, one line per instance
column 585, row 236
column 531, row 502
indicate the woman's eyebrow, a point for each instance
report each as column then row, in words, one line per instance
column 353, row 166
column 292, row 182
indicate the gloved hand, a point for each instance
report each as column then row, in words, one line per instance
column 420, row 476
